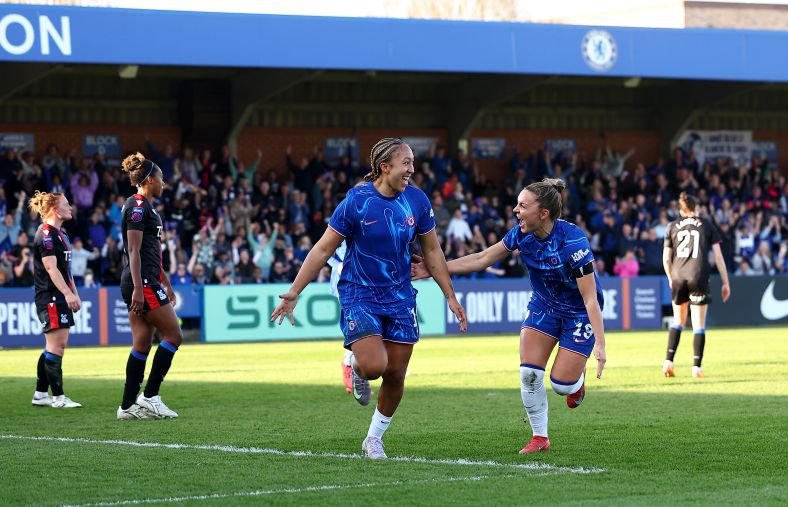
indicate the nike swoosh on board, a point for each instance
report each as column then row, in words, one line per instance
column 771, row 307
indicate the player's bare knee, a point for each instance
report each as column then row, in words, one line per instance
column 395, row 376
column 175, row 337
column 374, row 370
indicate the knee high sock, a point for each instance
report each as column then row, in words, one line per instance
column 534, row 397
column 161, row 365
column 53, row 366
column 674, row 335
column 699, row 343
column 42, row 384
column 135, row 372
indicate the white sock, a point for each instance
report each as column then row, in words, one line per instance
column 567, row 389
column 40, row 394
column 379, row 425
column 534, row 398
column 347, row 357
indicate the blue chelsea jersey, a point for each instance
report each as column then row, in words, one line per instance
column 550, row 262
column 378, row 231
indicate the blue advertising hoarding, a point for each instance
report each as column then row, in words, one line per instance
column 20, row 327
column 500, row 305
column 102, row 320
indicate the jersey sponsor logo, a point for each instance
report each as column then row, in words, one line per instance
column 63, row 318
column 161, row 294
column 136, row 214
column 351, row 325
column 697, row 299
column 48, row 243
column 579, row 255
column 369, row 222
column 771, row 307
column 554, row 261
column 411, row 221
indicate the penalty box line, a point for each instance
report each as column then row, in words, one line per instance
column 544, row 468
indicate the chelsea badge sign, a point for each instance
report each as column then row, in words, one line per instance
column 599, row 50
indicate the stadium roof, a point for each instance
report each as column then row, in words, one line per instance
column 147, row 37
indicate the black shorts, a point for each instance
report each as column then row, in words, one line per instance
column 697, row 292
column 55, row 315
column 155, row 296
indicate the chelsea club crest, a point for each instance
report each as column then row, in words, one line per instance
column 599, row 49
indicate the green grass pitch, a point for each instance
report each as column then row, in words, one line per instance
column 271, row 424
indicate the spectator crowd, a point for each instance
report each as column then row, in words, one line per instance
column 231, row 221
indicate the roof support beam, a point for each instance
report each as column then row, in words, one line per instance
column 465, row 104
column 252, row 87
column 18, row 76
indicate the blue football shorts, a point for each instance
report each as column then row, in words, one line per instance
column 398, row 325
column 573, row 333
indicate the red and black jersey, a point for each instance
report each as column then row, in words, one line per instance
column 50, row 241
column 691, row 238
column 139, row 215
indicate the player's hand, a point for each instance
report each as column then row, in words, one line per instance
column 726, row 292
column 459, row 312
column 171, row 295
column 73, row 301
column 137, row 300
column 601, row 356
column 285, row 307
column 418, row 269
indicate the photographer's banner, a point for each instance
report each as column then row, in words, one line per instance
column 236, row 313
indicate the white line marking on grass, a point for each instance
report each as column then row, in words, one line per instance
column 263, row 492
column 535, row 467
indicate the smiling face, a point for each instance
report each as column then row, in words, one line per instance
column 396, row 173
column 530, row 215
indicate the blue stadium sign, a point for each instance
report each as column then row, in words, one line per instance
column 104, row 35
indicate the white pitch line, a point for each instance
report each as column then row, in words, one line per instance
column 263, row 492
column 535, row 467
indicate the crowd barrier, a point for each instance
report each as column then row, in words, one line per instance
column 236, row 313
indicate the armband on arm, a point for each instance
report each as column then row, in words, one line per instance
column 583, row 270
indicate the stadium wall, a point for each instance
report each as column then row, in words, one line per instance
column 273, row 141
column 66, row 137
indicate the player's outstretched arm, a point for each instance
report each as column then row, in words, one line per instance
column 587, row 286
column 436, row 264
column 314, row 262
column 467, row 264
